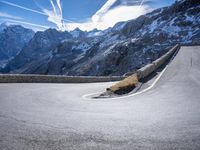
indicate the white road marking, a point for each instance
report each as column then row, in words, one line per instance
column 87, row 96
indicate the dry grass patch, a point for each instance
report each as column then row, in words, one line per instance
column 124, row 85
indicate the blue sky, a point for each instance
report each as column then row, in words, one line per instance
column 69, row 14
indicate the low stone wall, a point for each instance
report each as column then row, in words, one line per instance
column 22, row 78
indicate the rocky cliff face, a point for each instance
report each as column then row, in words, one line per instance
column 12, row 39
column 115, row 51
column 38, row 49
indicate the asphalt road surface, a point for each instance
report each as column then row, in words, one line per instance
column 56, row 117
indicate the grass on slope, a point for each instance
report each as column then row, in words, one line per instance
column 125, row 85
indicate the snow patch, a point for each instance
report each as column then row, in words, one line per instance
column 189, row 18
column 109, row 50
column 82, row 46
column 110, row 40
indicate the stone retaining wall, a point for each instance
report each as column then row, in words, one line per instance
column 22, row 78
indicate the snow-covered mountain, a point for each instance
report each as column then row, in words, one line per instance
column 115, row 51
column 12, row 39
column 38, row 49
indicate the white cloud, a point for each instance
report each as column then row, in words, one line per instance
column 121, row 13
column 55, row 14
column 104, row 19
column 103, row 10
column 5, row 15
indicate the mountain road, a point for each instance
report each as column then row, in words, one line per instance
column 38, row 116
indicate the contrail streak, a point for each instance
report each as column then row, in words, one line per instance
column 28, row 9
column 59, row 6
column 141, row 3
column 55, row 14
column 27, row 23
column 25, row 8
column 52, row 4
column 5, row 15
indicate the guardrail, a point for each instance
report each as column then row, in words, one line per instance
column 132, row 81
column 24, row 78
column 148, row 69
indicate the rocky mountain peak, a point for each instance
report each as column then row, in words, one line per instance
column 77, row 33
column 15, row 34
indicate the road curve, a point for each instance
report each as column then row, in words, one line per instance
column 56, row 117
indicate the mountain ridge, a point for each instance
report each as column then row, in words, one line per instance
column 124, row 48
